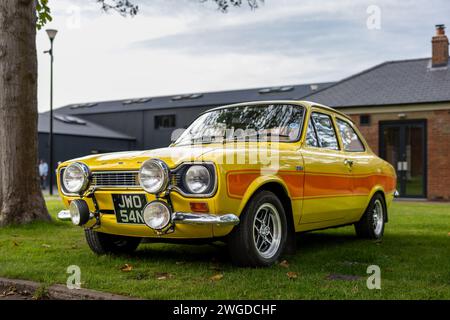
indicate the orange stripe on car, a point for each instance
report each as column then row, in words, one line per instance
column 239, row 181
column 317, row 185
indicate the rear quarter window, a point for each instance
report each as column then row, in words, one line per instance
column 350, row 139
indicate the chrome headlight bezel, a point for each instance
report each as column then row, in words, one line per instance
column 180, row 179
column 200, row 185
column 85, row 175
column 164, row 171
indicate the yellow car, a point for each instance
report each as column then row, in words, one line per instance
column 250, row 174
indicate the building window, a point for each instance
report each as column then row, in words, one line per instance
column 165, row 121
column 364, row 120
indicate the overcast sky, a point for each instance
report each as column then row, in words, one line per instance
column 183, row 46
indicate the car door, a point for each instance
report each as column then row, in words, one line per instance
column 327, row 183
column 361, row 163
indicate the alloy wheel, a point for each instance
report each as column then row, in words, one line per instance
column 267, row 230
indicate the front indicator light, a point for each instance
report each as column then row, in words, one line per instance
column 199, row 207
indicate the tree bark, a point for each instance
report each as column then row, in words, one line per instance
column 21, row 199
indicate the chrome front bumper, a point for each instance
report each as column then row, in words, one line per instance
column 63, row 215
column 205, row 218
column 185, row 218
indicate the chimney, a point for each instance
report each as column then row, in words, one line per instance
column 439, row 47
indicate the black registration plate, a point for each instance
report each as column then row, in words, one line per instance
column 129, row 208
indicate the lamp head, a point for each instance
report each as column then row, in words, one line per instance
column 51, row 33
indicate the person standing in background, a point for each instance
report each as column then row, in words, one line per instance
column 43, row 173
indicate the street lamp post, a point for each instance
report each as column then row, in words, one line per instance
column 51, row 35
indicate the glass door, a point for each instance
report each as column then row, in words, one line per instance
column 403, row 144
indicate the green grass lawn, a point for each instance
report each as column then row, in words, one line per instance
column 414, row 258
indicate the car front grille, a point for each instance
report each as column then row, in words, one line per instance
column 115, row 179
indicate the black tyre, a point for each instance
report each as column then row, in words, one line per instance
column 371, row 224
column 103, row 243
column 261, row 235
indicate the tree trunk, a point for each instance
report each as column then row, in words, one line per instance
column 21, row 199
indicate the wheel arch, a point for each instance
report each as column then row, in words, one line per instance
column 379, row 190
column 279, row 189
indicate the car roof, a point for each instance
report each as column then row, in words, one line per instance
column 307, row 104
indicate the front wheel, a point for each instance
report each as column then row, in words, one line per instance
column 371, row 224
column 260, row 237
column 103, row 243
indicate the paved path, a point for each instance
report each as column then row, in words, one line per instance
column 15, row 289
column 16, row 297
column 11, row 293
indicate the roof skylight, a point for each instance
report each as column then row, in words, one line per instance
column 69, row 119
column 276, row 89
column 187, row 96
column 83, row 105
column 138, row 100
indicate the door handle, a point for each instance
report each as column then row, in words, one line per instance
column 348, row 162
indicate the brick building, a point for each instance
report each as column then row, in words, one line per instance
column 403, row 110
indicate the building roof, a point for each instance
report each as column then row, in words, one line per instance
column 389, row 83
column 287, row 92
column 69, row 125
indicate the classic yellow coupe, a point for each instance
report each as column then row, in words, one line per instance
column 250, row 174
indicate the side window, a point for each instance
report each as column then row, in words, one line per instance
column 311, row 137
column 350, row 139
column 325, row 131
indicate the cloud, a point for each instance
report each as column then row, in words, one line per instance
column 285, row 37
column 291, row 28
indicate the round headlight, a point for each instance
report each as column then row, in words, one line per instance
column 197, row 179
column 76, row 177
column 154, row 176
column 156, row 215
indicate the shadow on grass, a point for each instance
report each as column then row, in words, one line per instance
column 308, row 245
column 318, row 240
column 183, row 253
column 218, row 252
